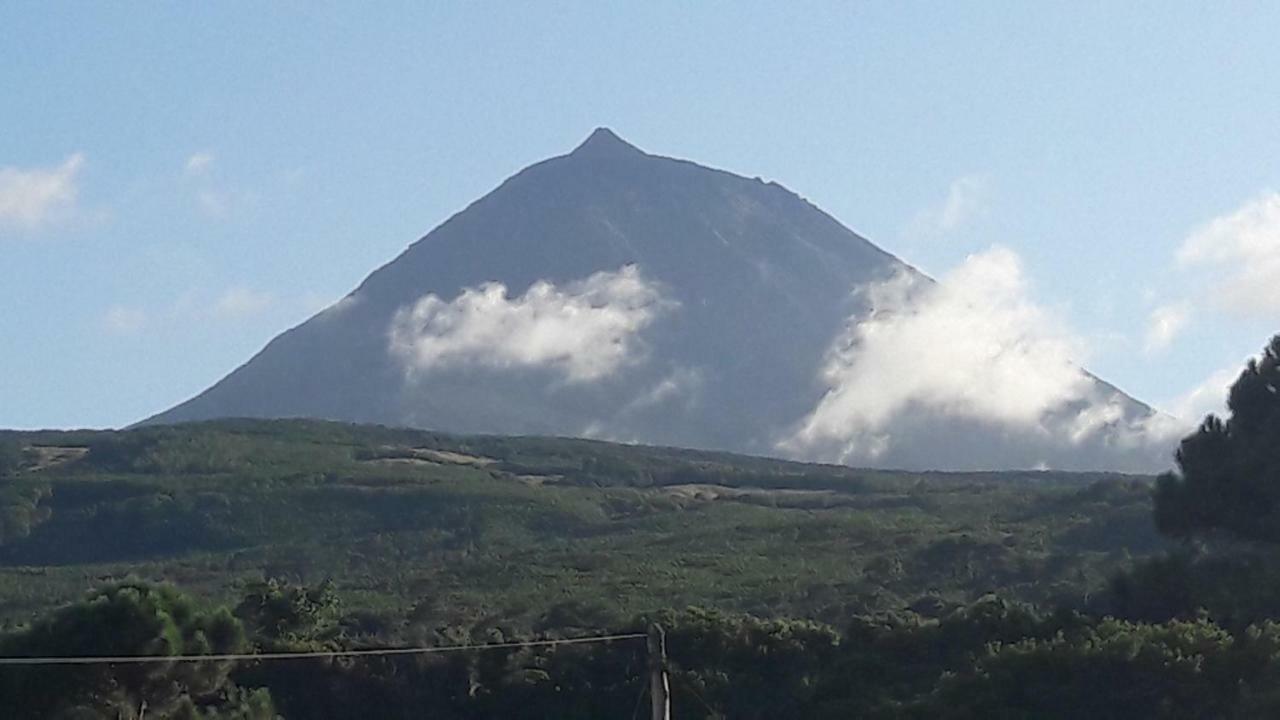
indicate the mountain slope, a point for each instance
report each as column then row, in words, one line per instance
column 611, row 293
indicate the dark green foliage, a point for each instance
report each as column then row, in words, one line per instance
column 1115, row 669
column 1236, row 588
column 463, row 529
column 887, row 663
column 442, row 540
column 1226, row 498
column 284, row 616
column 11, row 455
column 1230, row 470
column 114, row 525
column 23, row 506
column 993, row 659
column 127, row 619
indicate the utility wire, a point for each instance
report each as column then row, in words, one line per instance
column 644, row 685
column 135, row 659
column 689, row 685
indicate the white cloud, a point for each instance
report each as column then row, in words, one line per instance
column 198, row 164
column 967, row 198
column 124, row 320
column 681, row 384
column 30, row 198
column 241, row 302
column 1164, row 324
column 213, row 196
column 1209, row 396
column 1243, row 249
column 585, row 329
column 196, row 306
column 972, row 346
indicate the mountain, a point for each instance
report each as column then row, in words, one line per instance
column 615, row 294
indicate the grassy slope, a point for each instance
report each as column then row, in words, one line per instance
column 540, row 527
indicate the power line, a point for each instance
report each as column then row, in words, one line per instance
column 694, row 691
column 644, row 685
column 136, row 659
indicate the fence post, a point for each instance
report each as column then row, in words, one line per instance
column 659, row 690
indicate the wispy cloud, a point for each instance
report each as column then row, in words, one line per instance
column 198, row 164
column 124, row 320
column 1164, row 325
column 967, row 198
column 682, row 385
column 33, row 197
column 1210, row 396
column 1242, row 248
column 213, row 195
column 237, row 304
column 241, row 302
column 585, row 330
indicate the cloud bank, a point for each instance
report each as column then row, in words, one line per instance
column 972, row 346
column 1243, row 249
column 585, row 330
column 31, row 198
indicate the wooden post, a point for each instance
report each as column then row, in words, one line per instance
column 659, row 691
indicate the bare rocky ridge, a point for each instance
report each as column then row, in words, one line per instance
column 714, row 300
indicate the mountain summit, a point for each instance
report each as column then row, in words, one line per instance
column 603, row 142
column 615, row 294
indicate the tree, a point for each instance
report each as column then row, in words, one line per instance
column 11, row 455
column 21, row 509
column 1116, row 669
column 1229, row 479
column 129, row 619
column 284, row 616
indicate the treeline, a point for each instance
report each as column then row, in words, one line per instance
column 993, row 659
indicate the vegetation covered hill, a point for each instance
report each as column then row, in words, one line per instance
column 867, row 592
column 451, row 529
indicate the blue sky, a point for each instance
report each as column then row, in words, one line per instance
column 180, row 183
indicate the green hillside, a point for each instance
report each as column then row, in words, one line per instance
column 528, row 531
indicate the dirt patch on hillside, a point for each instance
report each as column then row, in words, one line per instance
column 394, row 455
column 453, row 458
column 47, row 456
column 773, row 497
